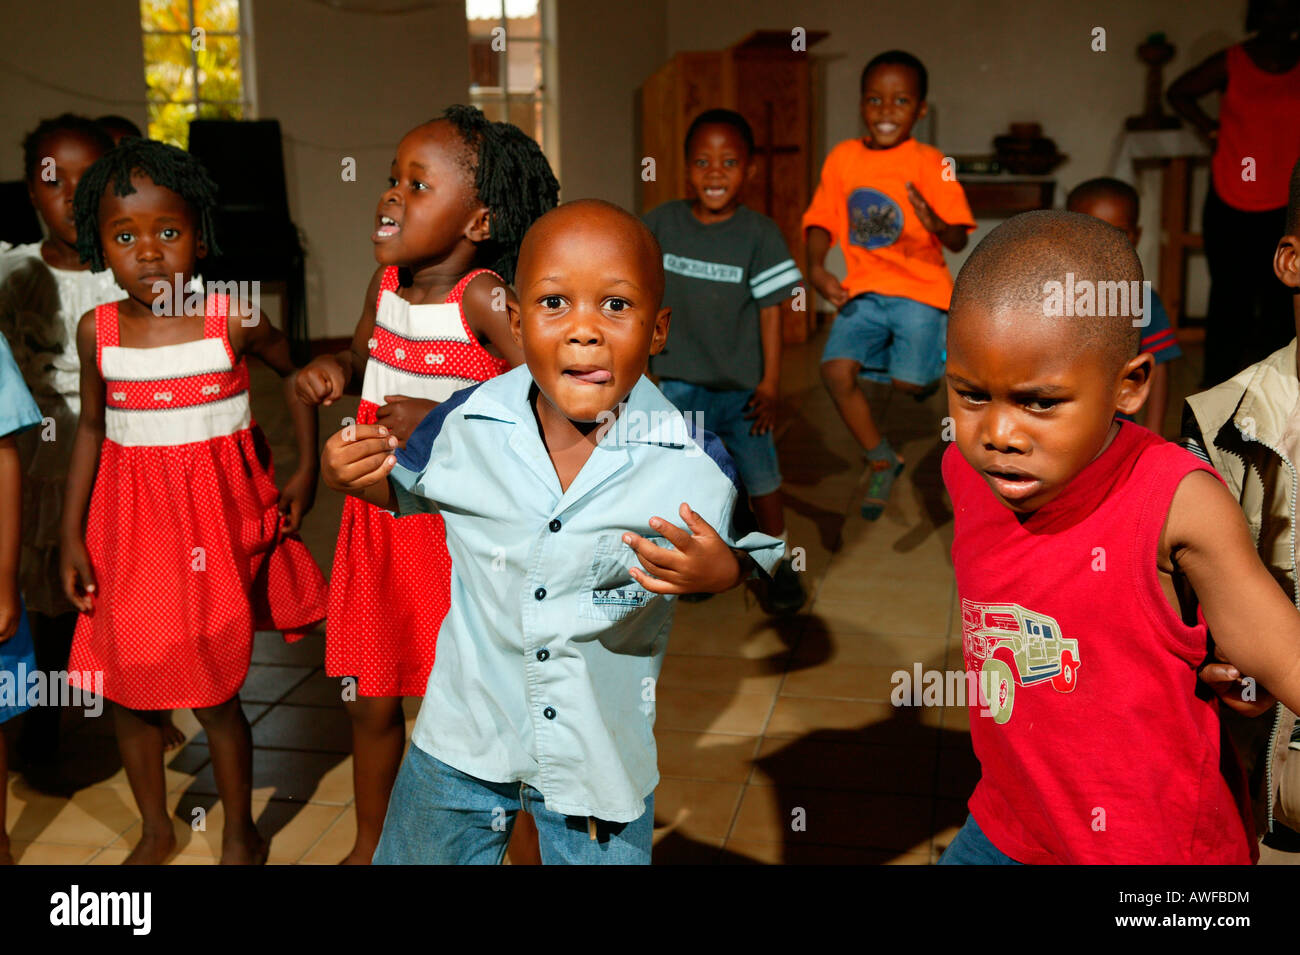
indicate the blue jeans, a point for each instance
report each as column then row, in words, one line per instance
column 723, row 413
column 890, row 338
column 972, row 847
column 438, row 815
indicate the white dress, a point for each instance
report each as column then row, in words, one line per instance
column 39, row 309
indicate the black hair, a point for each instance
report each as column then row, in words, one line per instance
column 898, row 58
column 1293, row 202
column 167, row 166
column 113, row 123
column 66, row 123
column 1010, row 269
column 721, row 117
column 1104, row 187
column 511, row 177
column 1262, row 14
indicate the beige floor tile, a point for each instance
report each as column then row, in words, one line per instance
column 761, row 638
column 849, row 721
column 334, row 843
column 696, row 808
column 46, row 853
column 726, row 674
column 92, row 817
column 693, row 755
column 708, row 712
column 844, row 681
column 820, row 644
column 906, row 607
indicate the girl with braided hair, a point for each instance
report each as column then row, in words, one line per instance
column 462, row 192
column 176, row 544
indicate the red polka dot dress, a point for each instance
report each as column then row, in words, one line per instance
column 391, row 583
column 183, row 531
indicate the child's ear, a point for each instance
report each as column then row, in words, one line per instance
column 660, row 336
column 480, row 229
column 1286, row 261
column 1135, row 384
column 200, row 249
column 515, row 318
column 925, row 108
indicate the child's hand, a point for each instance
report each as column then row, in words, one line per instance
column 923, row 211
column 402, row 415
column 77, row 575
column 1226, row 682
column 296, row 499
column 10, row 608
column 829, row 286
column 702, row 563
column 762, row 407
column 357, row 457
column 320, row 382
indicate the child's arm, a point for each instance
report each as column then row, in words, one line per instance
column 762, row 406
column 952, row 236
column 484, row 303
column 1253, row 621
column 818, row 241
column 254, row 334
column 324, row 379
column 74, row 563
column 357, row 460
column 11, row 501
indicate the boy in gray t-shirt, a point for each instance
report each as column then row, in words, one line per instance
column 728, row 270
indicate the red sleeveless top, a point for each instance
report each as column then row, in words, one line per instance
column 1096, row 744
column 1259, row 119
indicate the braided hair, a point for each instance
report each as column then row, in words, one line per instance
column 33, row 142
column 167, row 166
column 511, row 177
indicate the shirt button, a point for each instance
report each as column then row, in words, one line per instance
column 543, row 655
column 540, row 593
column 549, row 713
column 554, row 525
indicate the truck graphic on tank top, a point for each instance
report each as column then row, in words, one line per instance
column 1012, row 646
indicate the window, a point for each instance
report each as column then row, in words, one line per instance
column 512, row 66
column 193, row 64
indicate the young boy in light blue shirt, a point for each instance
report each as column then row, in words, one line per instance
column 542, row 698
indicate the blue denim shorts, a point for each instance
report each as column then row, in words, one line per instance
column 724, row 414
column 438, row 815
column 972, row 847
column 891, row 338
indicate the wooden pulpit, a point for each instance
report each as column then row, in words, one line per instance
column 769, row 82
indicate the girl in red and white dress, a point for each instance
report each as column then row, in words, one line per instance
column 462, row 193
column 188, row 546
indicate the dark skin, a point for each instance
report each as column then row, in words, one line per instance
column 149, row 237
column 437, row 226
column 1116, row 211
column 719, row 166
column 73, row 153
column 588, row 319
column 1030, row 415
column 1275, row 48
column 891, row 105
column 430, row 222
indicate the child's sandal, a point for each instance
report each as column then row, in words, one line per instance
column 881, row 481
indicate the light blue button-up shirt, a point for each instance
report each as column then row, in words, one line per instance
column 548, row 657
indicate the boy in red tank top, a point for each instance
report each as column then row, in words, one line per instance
column 1096, row 742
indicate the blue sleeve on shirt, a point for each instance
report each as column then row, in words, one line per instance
column 18, row 410
column 419, row 446
column 1159, row 337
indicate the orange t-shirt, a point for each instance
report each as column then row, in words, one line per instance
column 862, row 202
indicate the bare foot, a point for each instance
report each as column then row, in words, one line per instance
column 172, row 737
column 152, row 849
column 360, row 855
column 244, row 848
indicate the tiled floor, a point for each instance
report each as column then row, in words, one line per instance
column 777, row 740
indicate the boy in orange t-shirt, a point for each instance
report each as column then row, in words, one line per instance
column 886, row 200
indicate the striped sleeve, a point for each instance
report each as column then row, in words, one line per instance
column 773, row 274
